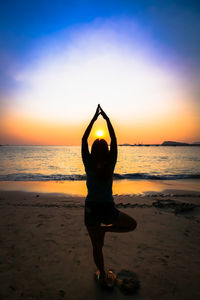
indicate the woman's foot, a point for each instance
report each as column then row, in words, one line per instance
column 106, row 280
column 101, row 277
column 110, row 278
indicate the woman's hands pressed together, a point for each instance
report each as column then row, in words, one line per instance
column 100, row 111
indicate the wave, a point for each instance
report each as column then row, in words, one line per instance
column 40, row 177
column 156, row 177
column 79, row 177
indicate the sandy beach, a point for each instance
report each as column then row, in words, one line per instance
column 46, row 252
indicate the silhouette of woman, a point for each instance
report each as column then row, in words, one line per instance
column 101, row 215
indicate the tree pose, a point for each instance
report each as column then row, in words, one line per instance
column 101, row 215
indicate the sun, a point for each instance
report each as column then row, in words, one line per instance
column 99, row 133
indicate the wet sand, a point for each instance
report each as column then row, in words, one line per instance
column 120, row 187
column 46, row 253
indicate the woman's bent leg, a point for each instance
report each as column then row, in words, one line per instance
column 124, row 223
column 97, row 238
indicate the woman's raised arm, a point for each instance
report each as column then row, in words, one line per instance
column 84, row 145
column 113, row 145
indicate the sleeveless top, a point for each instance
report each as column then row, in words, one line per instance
column 99, row 187
column 99, row 184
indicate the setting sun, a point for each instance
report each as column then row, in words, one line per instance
column 99, row 133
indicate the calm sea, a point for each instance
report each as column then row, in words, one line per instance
column 44, row 163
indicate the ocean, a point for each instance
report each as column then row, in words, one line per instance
column 63, row 163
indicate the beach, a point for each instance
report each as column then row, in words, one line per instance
column 46, row 252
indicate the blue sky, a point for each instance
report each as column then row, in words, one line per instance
column 146, row 50
column 171, row 26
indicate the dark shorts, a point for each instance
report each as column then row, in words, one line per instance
column 96, row 214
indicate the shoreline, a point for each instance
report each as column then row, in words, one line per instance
column 120, row 187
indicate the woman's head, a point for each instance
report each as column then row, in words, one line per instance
column 99, row 150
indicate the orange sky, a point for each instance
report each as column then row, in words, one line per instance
column 18, row 129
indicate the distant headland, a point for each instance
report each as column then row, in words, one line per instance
column 165, row 143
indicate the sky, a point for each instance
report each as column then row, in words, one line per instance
column 139, row 59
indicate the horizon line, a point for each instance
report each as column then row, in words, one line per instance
column 121, row 144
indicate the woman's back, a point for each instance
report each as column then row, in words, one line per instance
column 99, row 178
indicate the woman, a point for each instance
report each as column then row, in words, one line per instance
column 101, row 215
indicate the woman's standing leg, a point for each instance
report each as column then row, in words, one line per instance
column 124, row 223
column 97, row 238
